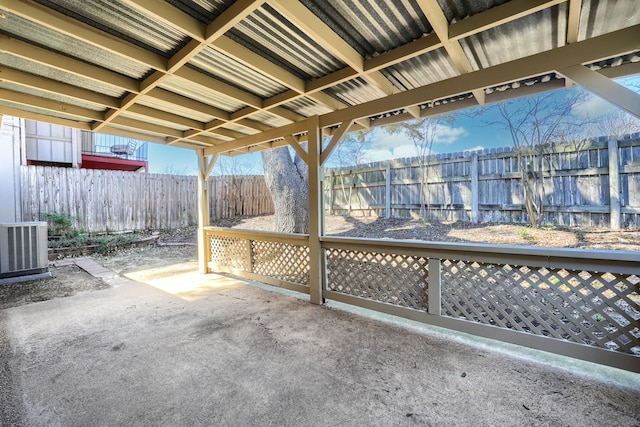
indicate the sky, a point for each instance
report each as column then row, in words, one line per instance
column 465, row 132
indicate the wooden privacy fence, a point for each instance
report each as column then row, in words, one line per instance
column 585, row 184
column 103, row 200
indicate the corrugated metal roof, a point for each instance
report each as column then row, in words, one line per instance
column 27, row 30
column 147, row 119
column 159, row 104
column 372, row 27
column 267, row 33
column 235, row 73
column 204, row 11
column 117, row 18
column 425, row 69
column 457, row 10
column 51, row 96
column 270, row 119
column 355, row 91
column 604, row 16
column 201, row 93
column 517, row 39
column 58, row 75
column 307, row 107
column 38, row 110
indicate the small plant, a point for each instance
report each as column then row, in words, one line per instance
column 524, row 233
column 60, row 224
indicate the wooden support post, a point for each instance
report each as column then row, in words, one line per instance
column 316, row 256
column 473, row 172
column 614, row 185
column 435, row 286
column 204, row 169
column 387, row 192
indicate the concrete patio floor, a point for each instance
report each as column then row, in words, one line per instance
column 174, row 348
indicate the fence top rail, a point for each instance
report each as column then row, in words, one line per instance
column 259, row 235
column 596, row 260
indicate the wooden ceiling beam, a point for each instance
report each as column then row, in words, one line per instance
column 598, row 48
column 30, row 115
column 59, row 22
column 605, row 88
column 55, row 87
column 438, row 20
column 63, row 63
column 317, row 29
column 188, row 103
column 496, row 16
column 49, row 104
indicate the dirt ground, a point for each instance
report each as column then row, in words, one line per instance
column 495, row 234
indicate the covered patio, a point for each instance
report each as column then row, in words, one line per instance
column 226, row 78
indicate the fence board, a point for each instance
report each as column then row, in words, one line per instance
column 102, row 200
column 576, row 186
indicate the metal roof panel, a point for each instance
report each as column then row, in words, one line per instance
column 115, row 17
column 201, row 93
column 372, row 27
column 236, row 74
column 270, row 35
column 517, row 39
column 23, row 29
column 58, row 75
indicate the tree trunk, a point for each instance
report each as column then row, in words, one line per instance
column 288, row 182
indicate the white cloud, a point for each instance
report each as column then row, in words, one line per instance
column 448, row 134
column 593, row 107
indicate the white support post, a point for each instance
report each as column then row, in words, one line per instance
column 473, row 172
column 435, row 286
column 614, row 185
column 316, row 257
column 204, row 169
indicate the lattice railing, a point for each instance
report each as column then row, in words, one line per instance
column 229, row 252
column 383, row 277
column 590, row 298
column 597, row 309
column 268, row 255
column 279, row 260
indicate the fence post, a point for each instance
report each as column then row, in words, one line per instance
column 614, row 185
column 330, row 192
column 435, row 286
column 473, row 175
column 387, row 192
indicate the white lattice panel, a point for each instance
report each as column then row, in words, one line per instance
column 229, row 252
column 598, row 309
column 390, row 278
column 283, row 261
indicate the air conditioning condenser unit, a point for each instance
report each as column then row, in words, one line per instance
column 23, row 250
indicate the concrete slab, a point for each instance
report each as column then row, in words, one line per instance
column 224, row 352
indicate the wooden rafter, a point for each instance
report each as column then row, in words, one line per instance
column 440, row 25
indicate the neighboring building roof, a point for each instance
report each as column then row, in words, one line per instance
column 215, row 73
